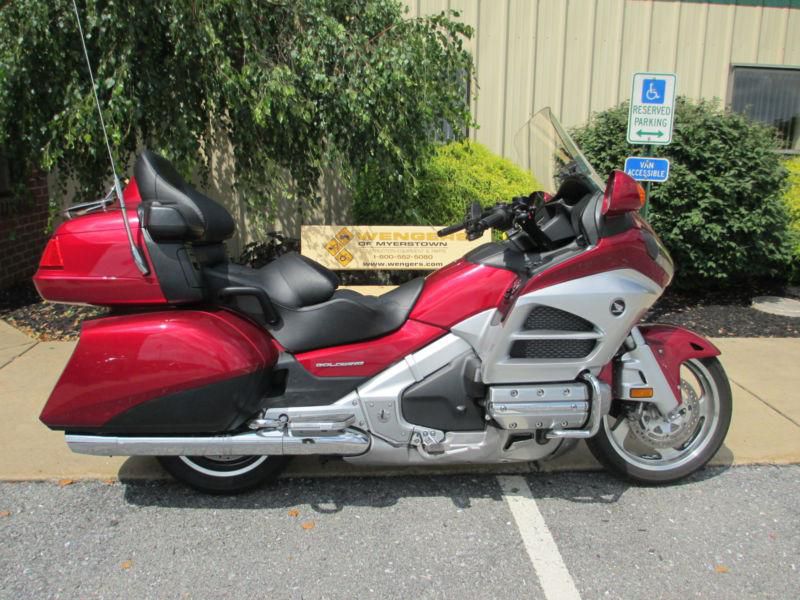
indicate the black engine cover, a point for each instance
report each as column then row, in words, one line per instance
column 446, row 399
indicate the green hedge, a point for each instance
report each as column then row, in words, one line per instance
column 792, row 198
column 721, row 212
column 456, row 175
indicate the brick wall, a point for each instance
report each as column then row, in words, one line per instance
column 22, row 232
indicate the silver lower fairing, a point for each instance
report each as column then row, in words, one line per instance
column 493, row 445
column 590, row 298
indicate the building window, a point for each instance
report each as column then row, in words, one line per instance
column 770, row 95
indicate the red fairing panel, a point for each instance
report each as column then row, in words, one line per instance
column 97, row 264
column 622, row 251
column 364, row 359
column 121, row 362
column 672, row 346
column 460, row 290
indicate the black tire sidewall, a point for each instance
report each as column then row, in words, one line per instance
column 235, row 484
column 605, row 452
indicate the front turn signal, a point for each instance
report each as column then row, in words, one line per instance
column 642, row 392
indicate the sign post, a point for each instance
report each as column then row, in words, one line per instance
column 651, row 118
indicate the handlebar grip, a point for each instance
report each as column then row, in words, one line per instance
column 451, row 229
column 496, row 218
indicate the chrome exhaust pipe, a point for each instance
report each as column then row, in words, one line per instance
column 348, row 442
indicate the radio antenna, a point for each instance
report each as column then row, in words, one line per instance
column 135, row 252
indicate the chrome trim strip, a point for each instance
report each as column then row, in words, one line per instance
column 556, row 335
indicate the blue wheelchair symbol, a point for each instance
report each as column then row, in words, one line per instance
column 653, row 91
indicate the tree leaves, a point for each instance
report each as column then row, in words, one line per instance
column 294, row 86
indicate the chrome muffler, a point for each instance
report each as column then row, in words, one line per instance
column 348, row 442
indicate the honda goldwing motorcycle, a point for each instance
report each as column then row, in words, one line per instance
column 512, row 353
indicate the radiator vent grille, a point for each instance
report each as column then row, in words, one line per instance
column 553, row 319
column 551, row 348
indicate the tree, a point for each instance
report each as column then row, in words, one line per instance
column 294, row 85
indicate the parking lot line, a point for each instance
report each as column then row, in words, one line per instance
column 554, row 577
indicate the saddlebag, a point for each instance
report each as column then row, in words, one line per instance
column 167, row 372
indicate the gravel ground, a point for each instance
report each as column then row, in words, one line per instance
column 722, row 534
column 723, row 314
column 715, row 314
column 22, row 307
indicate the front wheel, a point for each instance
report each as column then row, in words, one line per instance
column 639, row 444
column 223, row 474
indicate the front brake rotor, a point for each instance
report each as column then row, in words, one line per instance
column 655, row 431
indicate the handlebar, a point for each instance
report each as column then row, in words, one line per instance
column 451, row 229
column 499, row 215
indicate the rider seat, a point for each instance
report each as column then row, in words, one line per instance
column 312, row 312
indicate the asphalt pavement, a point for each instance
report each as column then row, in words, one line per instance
column 724, row 533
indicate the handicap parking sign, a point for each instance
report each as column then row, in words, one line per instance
column 651, row 114
column 653, row 91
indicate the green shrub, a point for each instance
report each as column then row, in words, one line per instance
column 792, row 198
column 720, row 213
column 454, row 176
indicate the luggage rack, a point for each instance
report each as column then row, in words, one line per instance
column 84, row 208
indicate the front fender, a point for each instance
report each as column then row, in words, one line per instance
column 674, row 345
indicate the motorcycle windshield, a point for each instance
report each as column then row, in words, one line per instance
column 543, row 146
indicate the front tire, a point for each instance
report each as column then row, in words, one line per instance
column 637, row 444
column 223, row 474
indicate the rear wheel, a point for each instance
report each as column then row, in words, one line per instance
column 639, row 444
column 223, row 474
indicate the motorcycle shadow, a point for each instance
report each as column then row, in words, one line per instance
column 332, row 493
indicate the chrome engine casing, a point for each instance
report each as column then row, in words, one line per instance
column 546, row 406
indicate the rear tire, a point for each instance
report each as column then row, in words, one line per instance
column 659, row 463
column 223, row 475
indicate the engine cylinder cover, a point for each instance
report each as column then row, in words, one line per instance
column 550, row 406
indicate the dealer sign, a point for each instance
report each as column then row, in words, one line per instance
column 384, row 247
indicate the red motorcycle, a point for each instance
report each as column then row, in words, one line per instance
column 512, row 353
